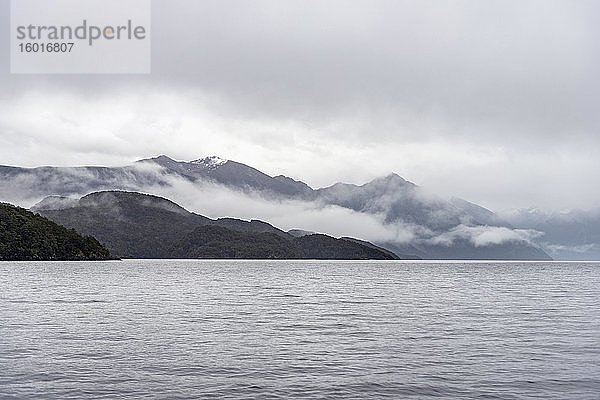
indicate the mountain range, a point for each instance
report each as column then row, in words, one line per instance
column 429, row 226
column 136, row 225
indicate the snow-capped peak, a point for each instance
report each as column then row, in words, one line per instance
column 210, row 162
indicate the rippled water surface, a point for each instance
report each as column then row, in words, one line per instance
column 262, row 329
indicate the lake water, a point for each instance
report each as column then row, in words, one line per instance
column 298, row 329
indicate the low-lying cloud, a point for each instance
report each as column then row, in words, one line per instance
column 482, row 236
column 216, row 201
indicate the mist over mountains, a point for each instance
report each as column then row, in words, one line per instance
column 136, row 225
column 389, row 211
column 567, row 235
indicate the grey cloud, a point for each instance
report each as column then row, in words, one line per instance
column 481, row 236
column 499, row 66
column 581, row 249
column 492, row 101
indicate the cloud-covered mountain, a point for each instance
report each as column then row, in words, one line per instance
column 453, row 228
column 27, row 186
column 231, row 174
column 396, row 214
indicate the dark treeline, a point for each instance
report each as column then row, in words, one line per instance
column 28, row 236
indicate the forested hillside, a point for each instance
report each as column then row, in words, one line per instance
column 28, row 236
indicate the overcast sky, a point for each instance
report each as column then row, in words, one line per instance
column 493, row 101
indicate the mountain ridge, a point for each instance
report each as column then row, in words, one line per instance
column 138, row 225
column 394, row 201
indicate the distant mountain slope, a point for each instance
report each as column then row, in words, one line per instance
column 571, row 235
column 444, row 229
column 465, row 249
column 400, row 200
column 28, row 236
column 135, row 225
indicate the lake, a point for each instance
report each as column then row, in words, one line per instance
column 178, row 329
